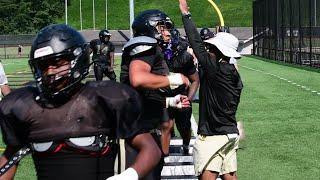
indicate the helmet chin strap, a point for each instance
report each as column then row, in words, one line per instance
column 52, row 100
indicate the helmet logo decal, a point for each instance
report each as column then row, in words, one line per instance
column 73, row 63
column 153, row 23
column 43, row 52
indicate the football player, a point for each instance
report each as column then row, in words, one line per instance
column 73, row 127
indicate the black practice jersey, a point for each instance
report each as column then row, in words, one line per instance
column 220, row 88
column 101, row 51
column 153, row 100
column 182, row 62
column 103, row 107
column 153, row 57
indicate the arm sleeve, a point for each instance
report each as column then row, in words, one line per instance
column 198, row 47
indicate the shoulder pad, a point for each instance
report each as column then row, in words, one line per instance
column 95, row 41
column 139, row 44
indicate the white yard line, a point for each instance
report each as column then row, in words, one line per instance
column 286, row 80
column 194, row 126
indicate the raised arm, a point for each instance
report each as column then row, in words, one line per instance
column 194, row 37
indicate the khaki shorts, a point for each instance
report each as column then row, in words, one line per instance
column 215, row 153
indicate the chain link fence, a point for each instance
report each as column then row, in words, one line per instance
column 287, row 30
column 9, row 46
column 11, row 51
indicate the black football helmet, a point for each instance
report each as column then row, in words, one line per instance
column 146, row 22
column 175, row 33
column 103, row 34
column 55, row 44
column 178, row 43
column 205, row 34
column 175, row 36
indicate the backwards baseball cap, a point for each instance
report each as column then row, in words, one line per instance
column 226, row 43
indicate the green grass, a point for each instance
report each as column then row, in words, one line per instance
column 281, row 123
column 12, row 66
column 235, row 12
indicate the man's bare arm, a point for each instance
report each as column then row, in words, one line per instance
column 149, row 154
column 112, row 59
column 183, row 5
column 3, row 160
column 5, row 89
column 141, row 76
column 195, row 81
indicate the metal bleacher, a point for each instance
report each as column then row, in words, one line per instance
column 178, row 165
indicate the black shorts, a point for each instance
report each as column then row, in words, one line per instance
column 70, row 165
column 181, row 117
column 165, row 115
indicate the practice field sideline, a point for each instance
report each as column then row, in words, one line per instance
column 280, row 112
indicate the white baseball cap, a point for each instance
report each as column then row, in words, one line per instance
column 226, row 43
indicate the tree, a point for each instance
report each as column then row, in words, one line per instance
column 28, row 16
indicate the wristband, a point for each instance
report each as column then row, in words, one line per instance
column 130, row 173
column 187, row 14
column 175, row 80
column 174, row 102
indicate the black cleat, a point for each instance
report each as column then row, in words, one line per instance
column 185, row 149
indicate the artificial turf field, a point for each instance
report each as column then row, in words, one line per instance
column 280, row 110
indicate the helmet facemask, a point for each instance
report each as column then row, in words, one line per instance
column 57, row 74
column 160, row 26
column 175, row 35
column 104, row 36
column 162, row 31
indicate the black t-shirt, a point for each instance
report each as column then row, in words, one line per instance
column 103, row 107
column 153, row 57
column 220, row 88
column 183, row 44
column 182, row 62
column 101, row 51
column 153, row 100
